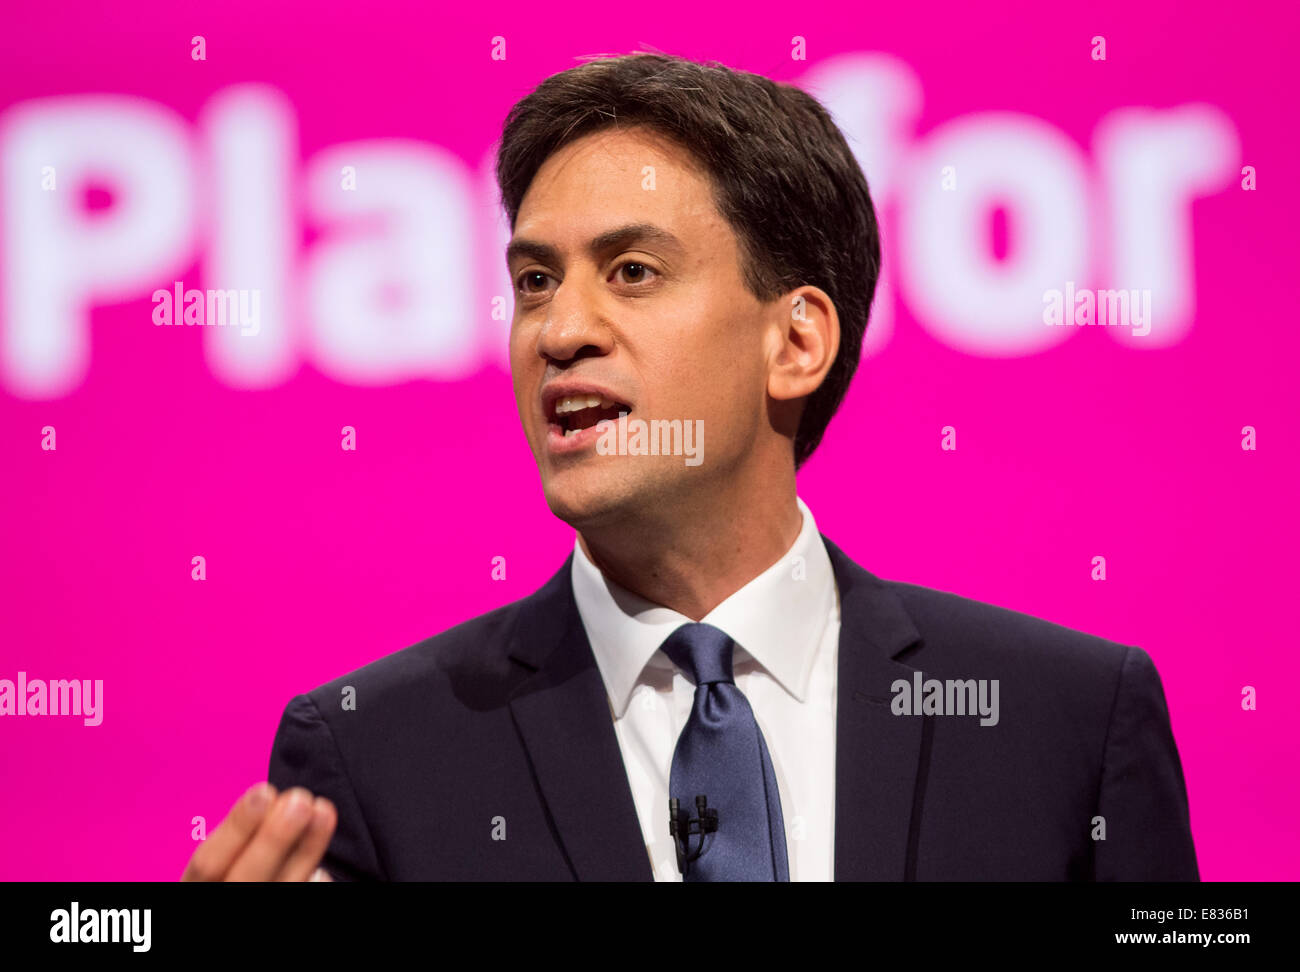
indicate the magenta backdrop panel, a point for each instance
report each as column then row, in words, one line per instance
column 1024, row 162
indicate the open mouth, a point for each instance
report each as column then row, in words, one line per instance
column 575, row 413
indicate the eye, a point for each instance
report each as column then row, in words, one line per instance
column 636, row 271
column 530, row 276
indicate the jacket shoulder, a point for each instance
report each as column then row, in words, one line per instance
column 961, row 626
column 470, row 657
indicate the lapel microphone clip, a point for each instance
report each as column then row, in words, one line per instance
column 683, row 826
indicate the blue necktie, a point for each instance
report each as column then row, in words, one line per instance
column 721, row 754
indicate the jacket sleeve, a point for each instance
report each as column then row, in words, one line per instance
column 305, row 754
column 1143, row 797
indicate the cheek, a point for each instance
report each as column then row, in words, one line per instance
column 521, row 377
column 522, row 348
column 723, row 378
column 515, row 341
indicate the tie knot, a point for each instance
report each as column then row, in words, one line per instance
column 702, row 651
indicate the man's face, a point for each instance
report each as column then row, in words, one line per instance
column 656, row 320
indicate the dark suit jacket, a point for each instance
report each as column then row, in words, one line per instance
column 501, row 726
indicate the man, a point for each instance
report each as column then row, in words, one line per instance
column 695, row 249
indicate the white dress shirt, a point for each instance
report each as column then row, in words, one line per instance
column 786, row 626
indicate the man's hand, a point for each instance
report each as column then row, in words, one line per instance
column 267, row 837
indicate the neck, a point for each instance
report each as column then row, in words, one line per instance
column 691, row 560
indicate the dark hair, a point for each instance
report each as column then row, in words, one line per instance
column 784, row 178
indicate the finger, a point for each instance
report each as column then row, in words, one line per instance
column 213, row 858
column 312, row 845
column 266, row 853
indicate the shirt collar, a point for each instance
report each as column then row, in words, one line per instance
column 778, row 618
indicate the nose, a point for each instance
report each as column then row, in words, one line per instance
column 574, row 327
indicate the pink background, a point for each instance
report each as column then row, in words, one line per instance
column 320, row 560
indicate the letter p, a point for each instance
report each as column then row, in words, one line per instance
column 59, row 257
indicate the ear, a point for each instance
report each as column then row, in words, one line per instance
column 805, row 341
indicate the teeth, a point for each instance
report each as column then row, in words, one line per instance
column 576, row 403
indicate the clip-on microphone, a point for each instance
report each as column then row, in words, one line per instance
column 681, row 825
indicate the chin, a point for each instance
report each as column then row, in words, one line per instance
column 579, row 495
column 584, row 498
column 588, row 494
column 586, row 516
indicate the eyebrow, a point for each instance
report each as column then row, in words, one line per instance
column 620, row 238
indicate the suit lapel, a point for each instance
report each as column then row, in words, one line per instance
column 877, row 754
column 563, row 716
